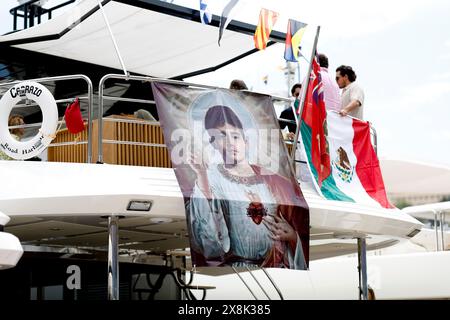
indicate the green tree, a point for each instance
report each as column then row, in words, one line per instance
column 402, row 203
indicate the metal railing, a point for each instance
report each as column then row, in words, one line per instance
column 439, row 215
column 89, row 98
column 373, row 134
column 32, row 10
column 438, row 211
column 102, row 97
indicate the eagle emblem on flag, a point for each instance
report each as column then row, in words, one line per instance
column 343, row 166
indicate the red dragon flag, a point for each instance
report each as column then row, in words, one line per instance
column 314, row 116
column 267, row 20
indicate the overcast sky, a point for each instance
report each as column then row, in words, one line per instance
column 400, row 51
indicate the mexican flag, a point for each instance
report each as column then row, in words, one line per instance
column 355, row 170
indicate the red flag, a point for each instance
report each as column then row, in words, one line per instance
column 73, row 117
column 267, row 19
column 314, row 114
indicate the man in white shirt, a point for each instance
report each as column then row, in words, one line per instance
column 352, row 95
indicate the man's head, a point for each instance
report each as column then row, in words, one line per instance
column 16, row 121
column 344, row 76
column 238, row 85
column 226, row 133
column 323, row 60
column 144, row 114
column 296, row 89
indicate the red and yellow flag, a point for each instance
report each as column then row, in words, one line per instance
column 267, row 19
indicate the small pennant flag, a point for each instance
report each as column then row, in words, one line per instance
column 294, row 35
column 73, row 117
column 267, row 20
column 225, row 19
column 205, row 15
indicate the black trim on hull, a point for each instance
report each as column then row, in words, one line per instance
column 210, row 69
column 22, row 65
column 158, row 6
column 55, row 36
column 194, row 15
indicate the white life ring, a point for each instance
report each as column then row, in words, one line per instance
column 42, row 96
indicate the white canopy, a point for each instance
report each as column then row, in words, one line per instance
column 155, row 38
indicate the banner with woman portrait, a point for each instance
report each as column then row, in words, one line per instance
column 244, row 206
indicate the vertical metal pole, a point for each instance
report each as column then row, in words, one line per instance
column 32, row 10
column 100, row 121
column 39, row 13
column 90, row 117
column 25, row 16
column 362, row 269
column 442, row 216
column 303, row 97
column 436, row 229
column 15, row 20
column 113, row 258
column 375, row 139
column 116, row 47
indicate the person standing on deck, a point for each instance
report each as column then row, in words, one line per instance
column 331, row 94
column 352, row 94
column 288, row 113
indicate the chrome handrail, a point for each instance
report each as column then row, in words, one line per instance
column 102, row 97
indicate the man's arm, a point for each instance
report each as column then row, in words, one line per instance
column 350, row 107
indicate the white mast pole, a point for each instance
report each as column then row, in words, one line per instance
column 303, row 97
column 113, row 39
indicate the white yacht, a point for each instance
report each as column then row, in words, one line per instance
column 108, row 200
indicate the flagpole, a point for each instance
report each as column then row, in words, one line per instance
column 303, row 97
column 116, row 47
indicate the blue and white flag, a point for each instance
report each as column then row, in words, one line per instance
column 205, row 15
column 225, row 19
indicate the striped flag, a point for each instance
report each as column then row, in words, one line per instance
column 205, row 15
column 355, row 169
column 226, row 17
column 294, row 35
column 267, row 20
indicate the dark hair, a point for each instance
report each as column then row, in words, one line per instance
column 295, row 86
column 323, row 60
column 237, row 84
column 218, row 116
column 347, row 71
column 15, row 120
